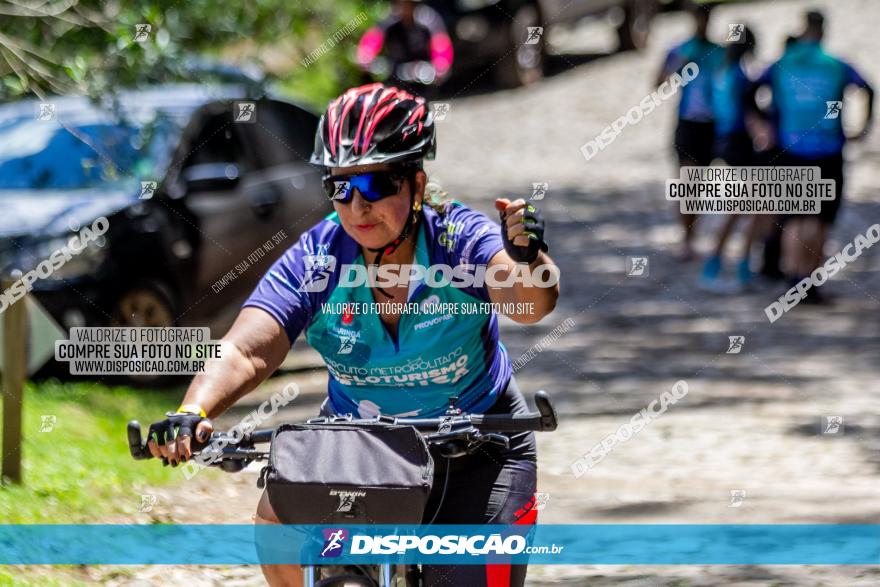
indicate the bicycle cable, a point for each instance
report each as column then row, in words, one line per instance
column 442, row 493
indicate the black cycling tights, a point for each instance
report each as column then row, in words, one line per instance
column 488, row 495
column 493, row 486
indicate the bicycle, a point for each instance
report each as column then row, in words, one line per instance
column 455, row 434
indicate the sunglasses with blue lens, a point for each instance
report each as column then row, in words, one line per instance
column 372, row 186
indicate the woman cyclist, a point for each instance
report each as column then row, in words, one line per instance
column 371, row 142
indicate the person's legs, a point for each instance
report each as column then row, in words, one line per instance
column 694, row 145
column 688, row 223
column 490, row 494
column 755, row 227
column 493, row 486
column 276, row 575
column 711, row 275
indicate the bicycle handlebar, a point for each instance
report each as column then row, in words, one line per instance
column 439, row 429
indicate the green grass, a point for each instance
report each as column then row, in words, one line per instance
column 81, row 471
column 38, row 577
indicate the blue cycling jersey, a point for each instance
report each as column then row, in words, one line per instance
column 729, row 88
column 436, row 355
column 696, row 97
column 808, row 87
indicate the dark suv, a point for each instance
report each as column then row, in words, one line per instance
column 202, row 189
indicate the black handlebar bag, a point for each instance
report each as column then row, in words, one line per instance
column 348, row 474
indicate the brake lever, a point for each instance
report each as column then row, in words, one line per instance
column 491, row 438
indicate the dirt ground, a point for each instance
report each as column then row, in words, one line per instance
column 750, row 421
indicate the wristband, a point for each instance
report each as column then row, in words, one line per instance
column 191, row 409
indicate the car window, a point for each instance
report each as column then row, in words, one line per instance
column 214, row 139
column 41, row 155
column 283, row 133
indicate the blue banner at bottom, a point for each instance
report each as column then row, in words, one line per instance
column 606, row 544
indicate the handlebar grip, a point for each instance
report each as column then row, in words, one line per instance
column 547, row 411
column 543, row 421
column 136, row 443
column 507, row 423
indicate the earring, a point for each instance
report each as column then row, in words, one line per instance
column 417, row 206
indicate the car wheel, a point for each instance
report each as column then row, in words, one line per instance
column 524, row 62
column 634, row 30
column 146, row 304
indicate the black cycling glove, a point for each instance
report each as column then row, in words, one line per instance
column 176, row 424
column 534, row 226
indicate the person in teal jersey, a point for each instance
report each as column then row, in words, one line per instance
column 396, row 343
column 733, row 100
column 808, row 94
column 695, row 130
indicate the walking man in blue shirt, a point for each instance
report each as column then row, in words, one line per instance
column 808, row 86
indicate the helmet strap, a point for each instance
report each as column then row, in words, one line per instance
column 412, row 219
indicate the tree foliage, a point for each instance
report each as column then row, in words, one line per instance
column 89, row 46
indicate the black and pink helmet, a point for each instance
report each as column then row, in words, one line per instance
column 374, row 123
